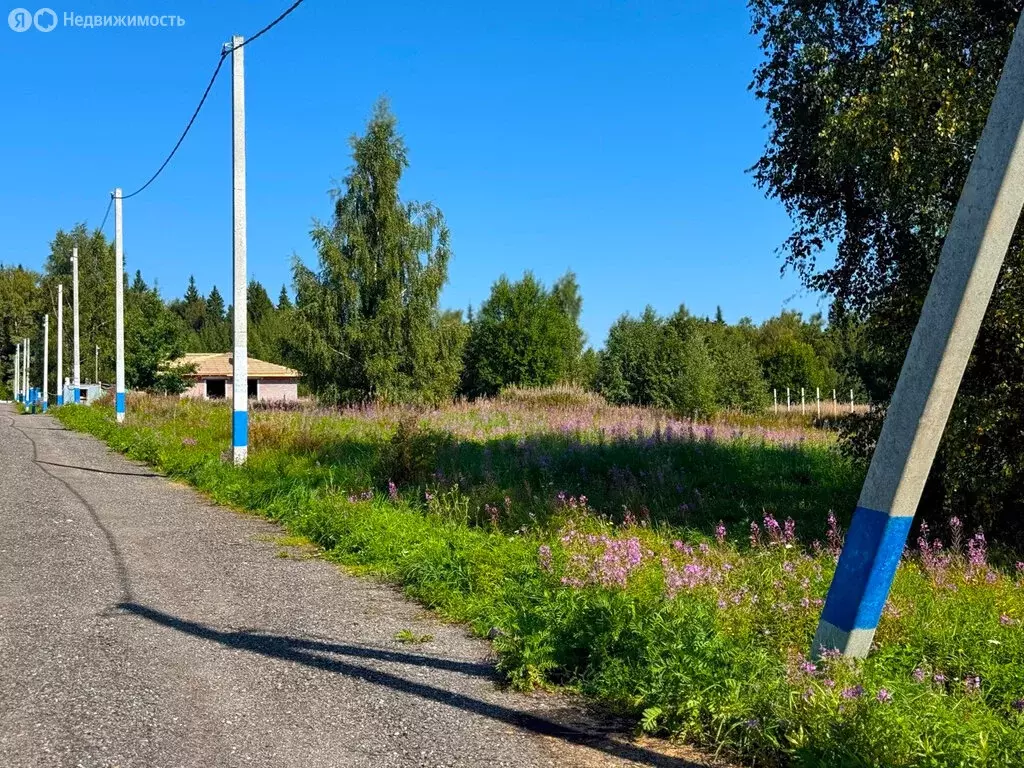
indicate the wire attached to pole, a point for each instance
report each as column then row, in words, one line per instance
column 209, row 86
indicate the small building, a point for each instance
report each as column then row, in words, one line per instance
column 213, row 378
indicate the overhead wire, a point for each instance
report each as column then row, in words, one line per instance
column 209, row 86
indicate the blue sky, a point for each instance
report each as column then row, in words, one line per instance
column 610, row 138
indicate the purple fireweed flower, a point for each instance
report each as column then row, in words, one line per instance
column 808, row 667
column 805, row 602
column 392, row 491
column 938, row 678
column 835, row 534
column 755, row 534
column 1020, row 568
column 189, row 441
column 831, row 654
column 977, row 551
column 721, row 604
column 956, row 533
column 918, row 675
column 753, row 723
column 544, row 556
column 1018, row 705
column 720, row 532
column 772, row 528
column 682, row 546
column 853, row 693
column 789, row 530
column 972, row 684
column 883, row 696
column 1006, row 620
column 704, row 548
column 492, row 514
column 788, row 567
column 829, row 683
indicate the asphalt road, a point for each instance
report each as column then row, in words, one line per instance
column 141, row 625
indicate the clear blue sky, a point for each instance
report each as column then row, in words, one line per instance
column 610, row 138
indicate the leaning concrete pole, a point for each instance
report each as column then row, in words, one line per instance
column 964, row 279
column 119, row 398
column 46, row 362
column 76, row 361
column 240, row 371
column 60, row 344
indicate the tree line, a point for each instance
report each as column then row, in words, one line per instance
column 366, row 322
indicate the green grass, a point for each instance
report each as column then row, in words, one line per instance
column 615, row 597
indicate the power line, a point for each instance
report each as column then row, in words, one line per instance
column 216, row 71
column 105, row 215
column 269, row 26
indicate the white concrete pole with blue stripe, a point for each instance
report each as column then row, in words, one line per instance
column 26, row 365
column 46, row 363
column 964, row 279
column 60, row 344
column 76, row 362
column 17, row 372
column 119, row 398
column 240, row 357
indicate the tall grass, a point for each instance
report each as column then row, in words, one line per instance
column 672, row 571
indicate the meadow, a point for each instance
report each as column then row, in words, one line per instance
column 669, row 570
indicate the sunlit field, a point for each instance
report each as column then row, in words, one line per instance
column 671, row 570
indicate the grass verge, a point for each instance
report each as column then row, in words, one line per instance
column 676, row 590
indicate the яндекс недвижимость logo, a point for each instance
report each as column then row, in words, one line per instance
column 22, row 19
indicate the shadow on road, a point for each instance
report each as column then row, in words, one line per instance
column 302, row 652
column 100, row 471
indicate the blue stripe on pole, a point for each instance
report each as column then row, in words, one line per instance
column 78, row 395
column 120, row 402
column 45, row 404
column 60, row 399
column 865, row 570
column 240, row 429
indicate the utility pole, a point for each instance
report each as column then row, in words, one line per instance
column 96, row 365
column 118, row 308
column 240, row 370
column 76, row 363
column 972, row 254
column 28, row 372
column 17, row 373
column 60, row 344
column 46, row 362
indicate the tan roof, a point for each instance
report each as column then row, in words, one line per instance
column 220, row 364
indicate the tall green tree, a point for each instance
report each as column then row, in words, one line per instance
column 367, row 324
column 651, row 361
column 21, row 303
column 875, row 109
column 524, row 334
column 95, row 294
column 153, row 336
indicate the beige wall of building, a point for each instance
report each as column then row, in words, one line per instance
column 269, row 390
